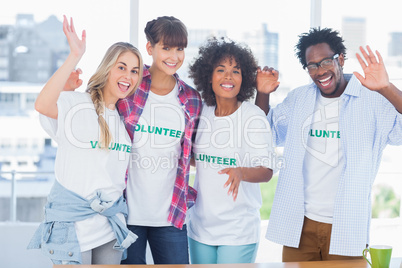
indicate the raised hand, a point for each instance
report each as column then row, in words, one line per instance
column 267, row 80
column 375, row 76
column 235, row 177
column 64, row 78
column 77, row 46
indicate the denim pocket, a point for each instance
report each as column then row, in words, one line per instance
column 56, row 232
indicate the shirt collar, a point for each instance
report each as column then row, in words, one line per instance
column 353, row 88
column 146, row 71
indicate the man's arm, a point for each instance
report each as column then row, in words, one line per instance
column 262, row 101
column 376, row 77
column 267, row 82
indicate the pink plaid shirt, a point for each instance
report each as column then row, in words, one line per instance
column 131, row 109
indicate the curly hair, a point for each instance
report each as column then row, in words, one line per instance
column 210, row 55
column 316, row 36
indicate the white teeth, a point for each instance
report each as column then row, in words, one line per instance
column 325, row 80
column 124, row 84
column 171, row 64
column 228, row 86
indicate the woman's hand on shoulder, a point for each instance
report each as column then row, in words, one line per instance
column 267, row 80
column 73, row 81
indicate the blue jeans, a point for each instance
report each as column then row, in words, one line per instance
column 168, row 244
column 206, row 254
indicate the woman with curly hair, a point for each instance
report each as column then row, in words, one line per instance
column 233, row 150
column 160, row 118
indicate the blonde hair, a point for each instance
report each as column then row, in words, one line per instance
column 98, row 81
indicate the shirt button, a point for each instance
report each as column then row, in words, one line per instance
column 51, row 251
column 70, row 254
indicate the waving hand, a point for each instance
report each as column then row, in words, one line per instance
column 46, row 103
column 77, row 46
column 375, row 76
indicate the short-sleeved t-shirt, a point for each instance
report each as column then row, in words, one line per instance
column 242, row 139
column 81, row 166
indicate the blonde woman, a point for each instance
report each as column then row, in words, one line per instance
column 160, row 118
column 85, row 214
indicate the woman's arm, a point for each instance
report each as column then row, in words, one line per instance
column 192, row 161
column 46, row 103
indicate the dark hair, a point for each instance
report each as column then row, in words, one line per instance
column 168, row 30
column 317, row 36
column 210, row 55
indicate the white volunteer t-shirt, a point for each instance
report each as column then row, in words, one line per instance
column 242, row 139
column 81, row 166
column 154, row 160
column 323, row 161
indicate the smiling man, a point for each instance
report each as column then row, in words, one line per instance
column 322, row 205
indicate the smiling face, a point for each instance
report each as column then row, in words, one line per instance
column 330, row 81
column 226, row 80
column 122, row 78
column 166, row 59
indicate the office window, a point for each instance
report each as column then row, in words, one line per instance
column 3, row 62
column 3, row 75
column 22, row 143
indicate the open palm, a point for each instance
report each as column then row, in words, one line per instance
column 77, row 46
column 375, row 76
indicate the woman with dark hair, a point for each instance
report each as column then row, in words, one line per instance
column 85, row 213
column 160, row 118
column 233, row 150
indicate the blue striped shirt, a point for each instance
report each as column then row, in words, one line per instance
column 368, row 122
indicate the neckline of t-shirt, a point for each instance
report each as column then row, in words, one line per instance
column 172, row 94
column 230, row 115
column 110, row 110
column 327, row 101
column 106, row 109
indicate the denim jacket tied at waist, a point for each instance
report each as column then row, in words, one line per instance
column 56, row 236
